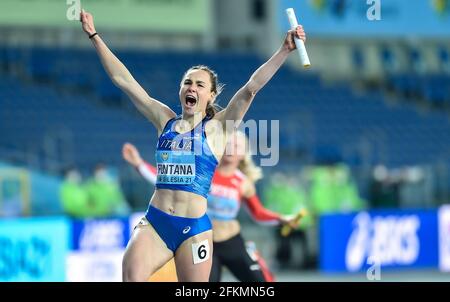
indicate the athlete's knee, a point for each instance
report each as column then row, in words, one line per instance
column 131, row 273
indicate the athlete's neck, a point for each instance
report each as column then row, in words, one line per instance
column 227, row 169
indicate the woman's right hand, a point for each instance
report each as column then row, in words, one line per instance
column 87, row 22
column 131, row 155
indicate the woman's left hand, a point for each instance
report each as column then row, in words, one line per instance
column 299, row 33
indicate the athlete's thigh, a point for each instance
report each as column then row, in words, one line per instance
column 193, row 258
column 146, row 252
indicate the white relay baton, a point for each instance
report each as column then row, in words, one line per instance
column 298, row 42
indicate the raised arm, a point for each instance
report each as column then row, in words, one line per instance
column 259, row 212
column 155, row 111
column 255, row 207
column 241, row 101
column 132, row 156
column 147, row 171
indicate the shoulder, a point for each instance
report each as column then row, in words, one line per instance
column 167, row 122
column 218, row 122
column 248, row 188
column 216, row 137
column 212, row 124
column 239, row 175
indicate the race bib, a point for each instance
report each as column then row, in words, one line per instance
column 200, row 251
column 175, row 167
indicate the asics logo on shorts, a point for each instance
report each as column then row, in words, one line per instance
column 186, row 229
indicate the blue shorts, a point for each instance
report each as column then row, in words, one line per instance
column 174, row 230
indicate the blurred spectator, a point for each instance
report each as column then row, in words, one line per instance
column 74, row 197
column 400, row 187
column 384, row 188
column 333, row 190
column 285, row 196
column 105, row 195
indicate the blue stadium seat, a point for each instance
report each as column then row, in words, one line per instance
column 311, row 114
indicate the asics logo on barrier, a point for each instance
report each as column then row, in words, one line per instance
column 390, row 240
column 100, row 234
column 186, row 229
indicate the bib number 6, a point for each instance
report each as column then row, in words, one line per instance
column 200, row 251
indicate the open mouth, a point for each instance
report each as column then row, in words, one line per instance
column 191, row 101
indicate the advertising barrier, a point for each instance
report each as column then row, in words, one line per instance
column 371, row 18
column 180, row 16
column 98, row 247
column 444, row 238
column 34, row 249
column 390, row 239
column 59, row 249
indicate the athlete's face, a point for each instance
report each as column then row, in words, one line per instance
column 235, row 150
column 195, row 92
